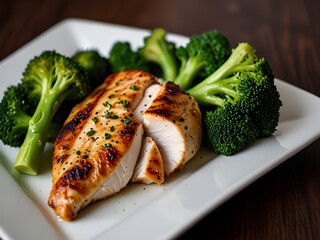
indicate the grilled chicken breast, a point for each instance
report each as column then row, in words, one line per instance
column 149, row 168
column 96, row 150
column 131, row 118
column 172, row 118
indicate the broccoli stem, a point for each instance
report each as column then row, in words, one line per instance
column 167, row 62
column 30, row 153
column 188, row 72
column 223, row 78
column 157, row 50
column 22, row 121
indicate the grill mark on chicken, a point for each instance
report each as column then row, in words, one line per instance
column 77, row 173
column 128, row 131
column 81, row 115
column 98, row 136
column 67, row 132
column 168, row 105
column 61, row 159
column 173, row 120
column 70, row 126
column 97, row 149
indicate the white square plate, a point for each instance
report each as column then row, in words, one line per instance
column 141, row 211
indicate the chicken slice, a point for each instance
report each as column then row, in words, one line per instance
column 149, row 168
column 149, row 95
column 96, row 150
column 173, row 119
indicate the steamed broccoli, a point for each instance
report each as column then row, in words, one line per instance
column 123, row 57
column 14, row 116
column 241, row 101
column 157, row 49
column 201, row 56
column 52, row 78
column 94, row 63
column 16, row 110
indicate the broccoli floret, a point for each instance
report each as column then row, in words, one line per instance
column 16, row 110
column 241, row 101
column 228, row 130
column 14, row 115
column 157, row 49
column 123, row 57
column 58, row 78
column 202, row 55
column 95, row 64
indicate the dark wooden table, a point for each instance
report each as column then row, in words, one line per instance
column 283, row 204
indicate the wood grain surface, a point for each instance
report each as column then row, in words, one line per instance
column 284, row 203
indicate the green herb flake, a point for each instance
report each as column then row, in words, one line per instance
column 134, row 87
column 114, row 116
column 107, row 105
column 106, row 114
column 112, row 128
column 124, row 103
column 107, row 135
column 91, row 132
column 95, row 119
column 126, row 120
column 108, row 145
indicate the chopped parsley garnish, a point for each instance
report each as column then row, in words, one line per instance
column 108, row 145
column 107, row 114
column 134, row 87
column 91, row 132
column 107, row 105
column 114, row 116
column 126, row 120
column 95, row 119
column 124, row 103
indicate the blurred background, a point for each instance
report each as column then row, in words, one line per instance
column 283, row 31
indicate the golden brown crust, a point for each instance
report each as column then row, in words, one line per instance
column 181, row 114
column 94, row 140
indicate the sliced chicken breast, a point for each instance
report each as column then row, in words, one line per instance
column 173, row 119
column 149, row 168
column 149, row 95
column 96, row 150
